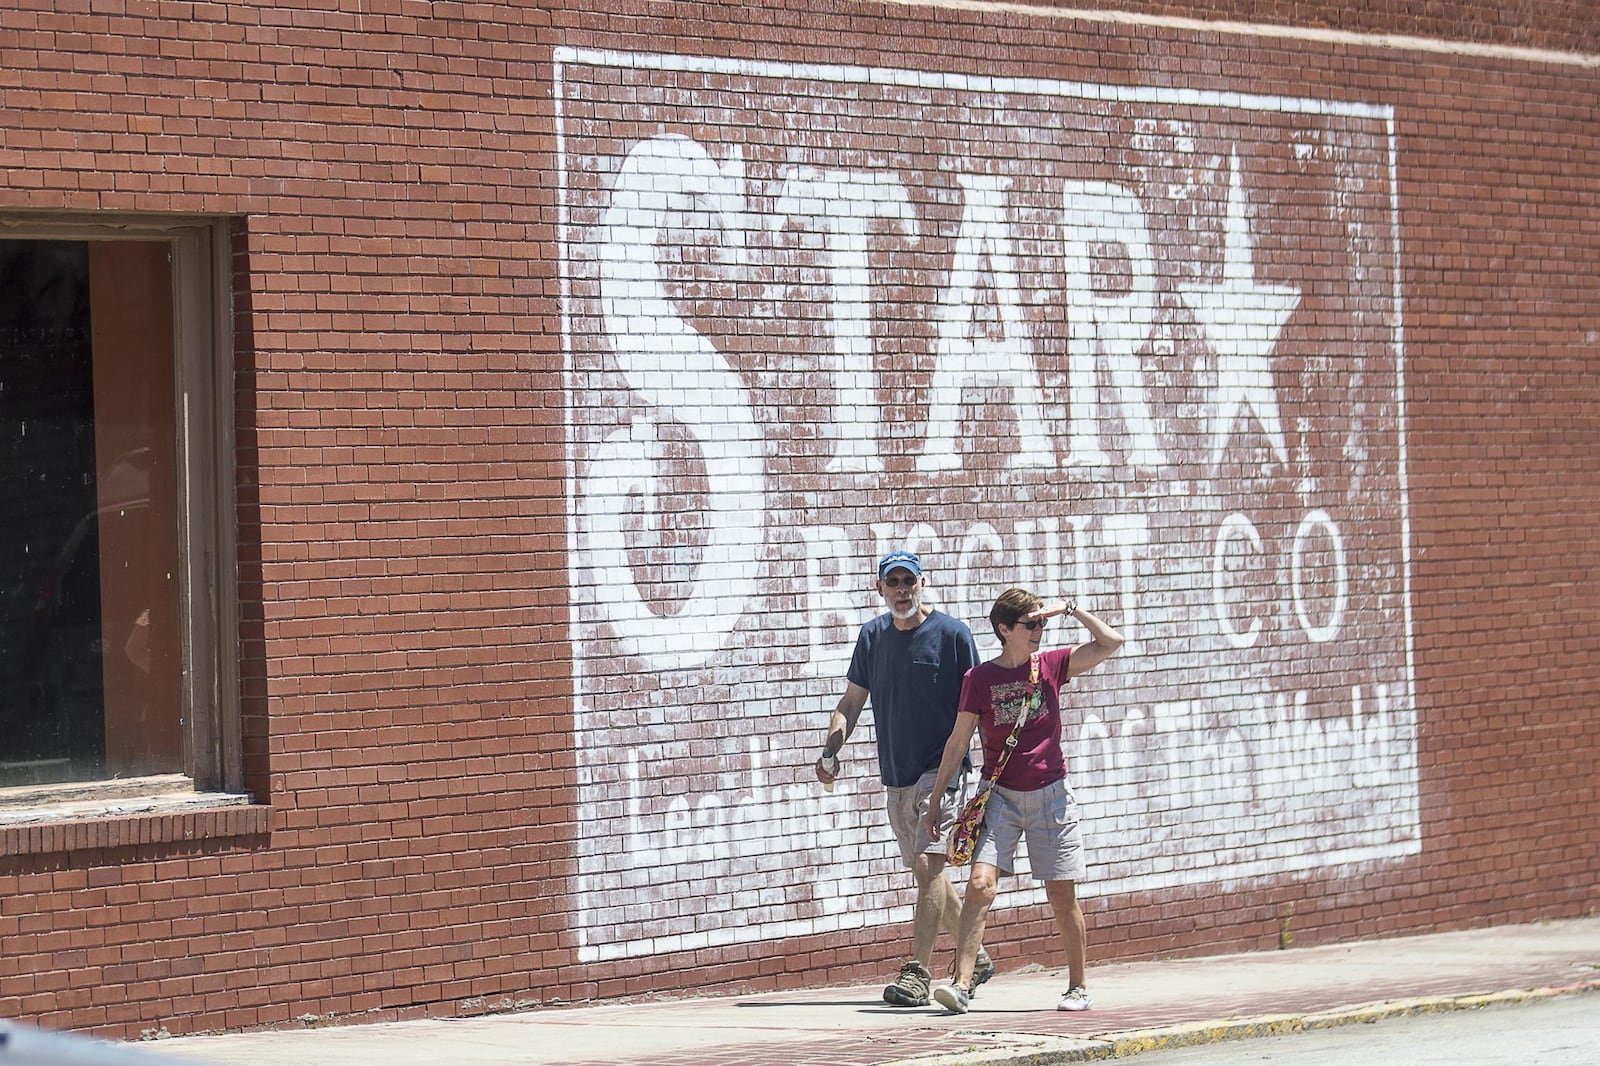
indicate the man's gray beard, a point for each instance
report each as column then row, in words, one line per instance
column 909, row 612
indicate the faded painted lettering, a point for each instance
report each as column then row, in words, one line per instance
column 1136, row 346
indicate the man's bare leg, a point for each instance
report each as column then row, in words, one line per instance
column 938, row 907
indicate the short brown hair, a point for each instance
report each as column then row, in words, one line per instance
column 1011, row 606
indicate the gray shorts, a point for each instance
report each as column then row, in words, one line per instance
column 907, row 806
column 1048, row 818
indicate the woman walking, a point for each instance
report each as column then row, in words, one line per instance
column 1014, row 699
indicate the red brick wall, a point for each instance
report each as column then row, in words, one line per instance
column 471, row 733
column 1563, row 25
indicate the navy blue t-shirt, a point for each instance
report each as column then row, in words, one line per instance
column 914, row 678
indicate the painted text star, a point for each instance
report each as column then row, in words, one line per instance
column 1241, row 320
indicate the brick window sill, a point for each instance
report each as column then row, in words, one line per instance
column 123, row 814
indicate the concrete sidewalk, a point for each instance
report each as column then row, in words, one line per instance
column 1138, row 1006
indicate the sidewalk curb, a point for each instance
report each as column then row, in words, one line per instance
column 1190, row 1034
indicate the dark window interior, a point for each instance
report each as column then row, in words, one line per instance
column 89, row 652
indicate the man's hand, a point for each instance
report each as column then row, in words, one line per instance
column 828, row 768
column 931, row 820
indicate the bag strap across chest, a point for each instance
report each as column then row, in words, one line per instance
column 1030, row 703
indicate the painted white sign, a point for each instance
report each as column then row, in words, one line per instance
column 1139, row 346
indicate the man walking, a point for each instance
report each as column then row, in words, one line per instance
column 910, row 661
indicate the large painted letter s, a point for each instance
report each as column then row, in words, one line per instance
column 666, row 182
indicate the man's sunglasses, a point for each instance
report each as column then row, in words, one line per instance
column 896, row 582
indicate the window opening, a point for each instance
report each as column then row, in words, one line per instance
column 109, row 625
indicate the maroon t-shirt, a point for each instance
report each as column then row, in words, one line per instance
column 996, row 694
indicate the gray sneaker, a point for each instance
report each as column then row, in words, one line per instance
column 953, row 998
column 982, row 970
column 910, row 989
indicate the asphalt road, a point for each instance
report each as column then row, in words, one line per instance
column 1560, row 1031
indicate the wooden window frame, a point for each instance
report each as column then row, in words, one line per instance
column 207, row 521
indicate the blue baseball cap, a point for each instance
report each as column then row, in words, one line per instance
column 899, row 559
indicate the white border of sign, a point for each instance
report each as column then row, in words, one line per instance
column 1406, row 844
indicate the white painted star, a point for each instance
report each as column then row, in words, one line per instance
column 1241, row 320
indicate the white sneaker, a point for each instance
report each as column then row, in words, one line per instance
column 953, row 998
column 1077, row 998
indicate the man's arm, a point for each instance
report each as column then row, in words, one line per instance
column 840, row 726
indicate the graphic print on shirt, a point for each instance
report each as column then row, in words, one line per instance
column 1013, row 700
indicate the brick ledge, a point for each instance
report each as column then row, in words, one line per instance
column 199, row 817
